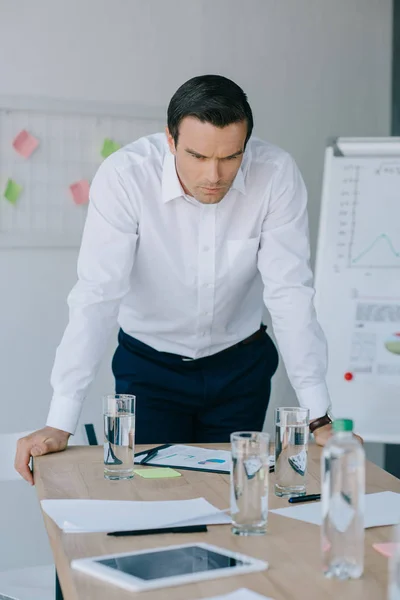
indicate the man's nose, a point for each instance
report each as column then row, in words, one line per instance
column 212, row 173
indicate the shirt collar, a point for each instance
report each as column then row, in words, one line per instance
column 172, row 188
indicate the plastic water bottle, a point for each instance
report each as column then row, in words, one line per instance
column 343, row 495
column 394, row 569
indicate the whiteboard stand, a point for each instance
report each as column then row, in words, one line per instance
column 358, row 282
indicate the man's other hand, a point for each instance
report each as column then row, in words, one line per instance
column 323, row 434
column 43, row 441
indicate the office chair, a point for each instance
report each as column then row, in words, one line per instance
column 28, row 583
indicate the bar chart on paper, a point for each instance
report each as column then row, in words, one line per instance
column 358, row 281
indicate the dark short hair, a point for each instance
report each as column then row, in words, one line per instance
column 211, row 99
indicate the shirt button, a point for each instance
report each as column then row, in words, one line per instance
column 206, row 248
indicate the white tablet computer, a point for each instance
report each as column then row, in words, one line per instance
column 169, row 566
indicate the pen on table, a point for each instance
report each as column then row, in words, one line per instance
column 309, row 498
column 151, row 454
column 185, row 529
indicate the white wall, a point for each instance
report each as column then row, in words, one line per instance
column 311, row 68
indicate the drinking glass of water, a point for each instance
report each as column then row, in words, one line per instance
column 119, row 436
column 249, row 482
column 291, row 446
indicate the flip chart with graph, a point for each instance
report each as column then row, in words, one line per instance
column 358, row 282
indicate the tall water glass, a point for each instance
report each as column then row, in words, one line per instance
column 119, row 436
column 291, row 448
column 249, row 482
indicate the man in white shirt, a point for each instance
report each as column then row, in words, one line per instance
column 187, row 236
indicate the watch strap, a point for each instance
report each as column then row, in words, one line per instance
column 321, row 422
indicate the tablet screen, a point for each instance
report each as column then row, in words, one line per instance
column 171, row 563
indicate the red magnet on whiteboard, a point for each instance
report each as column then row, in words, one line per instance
column 348, row 376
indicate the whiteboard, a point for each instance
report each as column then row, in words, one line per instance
column 358, row 282
column 71, row 136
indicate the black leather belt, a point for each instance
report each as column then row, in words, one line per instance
column 252, row 338
column 257, row 335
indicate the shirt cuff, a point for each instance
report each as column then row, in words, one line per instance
column 316, row 398
column 64, row 414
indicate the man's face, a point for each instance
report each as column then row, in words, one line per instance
column 207, row 158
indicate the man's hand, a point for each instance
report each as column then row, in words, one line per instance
column 322, row 435
column 39, row 442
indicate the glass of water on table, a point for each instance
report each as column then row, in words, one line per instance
column 291, row 448
column 119, row 436
column 249, row 482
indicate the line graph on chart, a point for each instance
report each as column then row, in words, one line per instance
column 369, row 216
column 382, row 238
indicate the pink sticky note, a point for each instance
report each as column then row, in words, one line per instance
column 25, row 143
column 80, row 191
column 387, row 549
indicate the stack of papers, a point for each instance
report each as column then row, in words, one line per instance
column 84, row 516
column 242, row 594
column 381, row 509
column 180, row 456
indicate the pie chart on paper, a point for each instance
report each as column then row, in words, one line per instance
column 393, row 343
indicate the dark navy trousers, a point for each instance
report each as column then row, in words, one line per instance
column 202, row 400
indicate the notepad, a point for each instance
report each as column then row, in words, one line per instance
column 158, row 473
column 382, row 508
column 84, row 516
column 386, row 549
column 241, row 594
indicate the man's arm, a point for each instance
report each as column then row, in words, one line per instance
column 283, row 262
column 104, row 267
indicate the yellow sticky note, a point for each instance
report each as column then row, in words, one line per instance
column 154, row 473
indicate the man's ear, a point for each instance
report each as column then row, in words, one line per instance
column 170, row 140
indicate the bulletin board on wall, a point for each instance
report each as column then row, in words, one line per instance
column 49, row 152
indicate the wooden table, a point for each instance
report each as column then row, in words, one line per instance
column 291, row 547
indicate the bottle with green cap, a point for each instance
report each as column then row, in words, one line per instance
column 342, row 499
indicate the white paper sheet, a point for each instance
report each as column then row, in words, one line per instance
column 382, row 508
column 241, row 594
column 191, row 457
column 80, row 516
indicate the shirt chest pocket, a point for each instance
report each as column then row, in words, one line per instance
column 242, row 258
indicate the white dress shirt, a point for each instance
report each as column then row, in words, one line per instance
column 191, row 278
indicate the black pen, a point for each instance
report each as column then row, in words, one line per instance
column 151, row 454
column 185, row 529
column 309, row 498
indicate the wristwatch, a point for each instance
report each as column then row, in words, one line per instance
column 327, row 419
